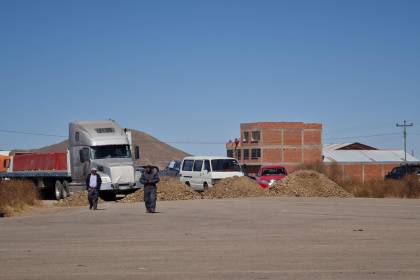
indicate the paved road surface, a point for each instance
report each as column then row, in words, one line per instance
column 285, row 238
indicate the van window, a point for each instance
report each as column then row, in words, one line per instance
column 225, row 165
column 188, row 165
column 207, row 166
column 197, row 165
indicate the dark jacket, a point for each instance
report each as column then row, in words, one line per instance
column 98, row 181
column 150, row 179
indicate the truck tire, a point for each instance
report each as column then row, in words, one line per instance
column 66, row 192
column 58, row 190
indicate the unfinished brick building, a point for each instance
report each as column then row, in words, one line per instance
column 285, row 143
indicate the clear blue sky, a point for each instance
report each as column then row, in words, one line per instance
column 194, row 70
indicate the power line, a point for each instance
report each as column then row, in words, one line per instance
column 363, row 136
column 31, row 133
column 199, row 142
column 150, row 141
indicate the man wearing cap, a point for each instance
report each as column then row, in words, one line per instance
column 93, row 185
column 149, row 179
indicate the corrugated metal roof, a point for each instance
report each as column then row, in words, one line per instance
column 380, row 156
column 335, row 146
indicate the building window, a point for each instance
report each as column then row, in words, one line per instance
column 77, row 136
column 238, row 154
column 255, row 153
column 229, row 153
column 255, row 136
column 246, row 137
column 246, row 154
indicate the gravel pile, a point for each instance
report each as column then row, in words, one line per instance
column 302, row 183
column 169, row 188
column 234, row 187
column 306, row 183
column 76, row 199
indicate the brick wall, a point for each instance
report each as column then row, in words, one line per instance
column 361, row 172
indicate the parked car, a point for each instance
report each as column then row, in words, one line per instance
column 172, row 170
column 400, row 172
column 202, row 172
column 268, row 175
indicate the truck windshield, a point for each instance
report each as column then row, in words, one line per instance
column 225, row 165
column 111, row 151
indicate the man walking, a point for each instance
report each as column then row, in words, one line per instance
column 93, row 185
column 149, row 179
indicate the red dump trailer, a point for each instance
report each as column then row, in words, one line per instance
column 40, row 162
column 49, row 170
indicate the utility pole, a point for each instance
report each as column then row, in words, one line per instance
column 405, row 125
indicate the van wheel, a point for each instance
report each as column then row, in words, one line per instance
column 58, row 190
column 205, row 187
column 188, row 184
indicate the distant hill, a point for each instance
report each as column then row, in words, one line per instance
column 151, row 149
column 154, row 150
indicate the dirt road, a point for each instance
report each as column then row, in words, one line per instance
column 262, row 238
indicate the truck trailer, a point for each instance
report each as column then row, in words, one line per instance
column 100, row 144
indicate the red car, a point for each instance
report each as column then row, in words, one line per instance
column 268, row 175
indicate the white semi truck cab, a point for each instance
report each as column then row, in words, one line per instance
column 100, row 144
column 105, row 146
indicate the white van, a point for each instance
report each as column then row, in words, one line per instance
column 202, row 172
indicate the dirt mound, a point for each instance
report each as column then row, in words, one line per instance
column 17, row 197
column 76, row 199
column 168, row 188
column 308, row 183
column 235, row 187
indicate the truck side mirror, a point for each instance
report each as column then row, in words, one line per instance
column 84, row 154
column 136, row 152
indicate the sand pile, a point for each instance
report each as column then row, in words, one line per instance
column 308, row 183
column 169, row 188
column 235, row 187
column 76, row 199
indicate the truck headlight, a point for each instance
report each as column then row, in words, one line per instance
column 106, row 179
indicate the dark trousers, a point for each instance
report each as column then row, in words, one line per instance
column 150, row 198
column 93, row 195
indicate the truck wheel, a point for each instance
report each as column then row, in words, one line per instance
column 58, row 190
column 66, row 192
